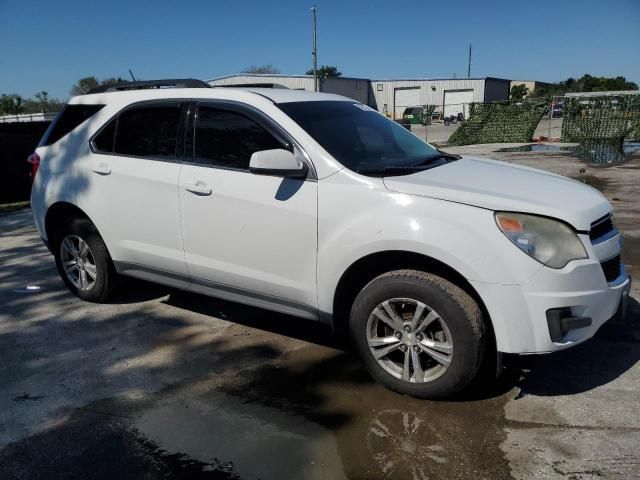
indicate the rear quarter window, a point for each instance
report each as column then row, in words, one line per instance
column 148, row 131
column 70, row 118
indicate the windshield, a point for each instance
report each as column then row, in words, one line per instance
column 359, row 137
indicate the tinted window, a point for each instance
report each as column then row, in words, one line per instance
column 148, row 131
column 228, row 139
column 104, row 140
column 358, row 136
column 70, row 118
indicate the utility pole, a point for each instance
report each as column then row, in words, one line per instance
column 469, row 66
column 314, row 52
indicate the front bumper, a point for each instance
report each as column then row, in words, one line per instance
column 519, row 312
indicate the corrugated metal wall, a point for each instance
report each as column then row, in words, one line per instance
column 355, row 88
column 431, row 91
column 294, row 83
column 379, row 93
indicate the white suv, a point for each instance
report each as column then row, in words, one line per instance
column 317, row 206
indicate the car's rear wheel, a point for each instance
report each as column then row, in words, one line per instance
column 84, row 262
column 418, row 334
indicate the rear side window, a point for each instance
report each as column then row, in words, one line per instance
column 70, row 117
column 227, row 139
column 104, row 140
column 146, row 131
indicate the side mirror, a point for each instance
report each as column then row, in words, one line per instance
column 278, row 162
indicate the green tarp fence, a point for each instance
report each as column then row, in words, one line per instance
column 588, row 119
column 504, row 122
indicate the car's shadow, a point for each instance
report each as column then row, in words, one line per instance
column 281, row 324
column 608, row 355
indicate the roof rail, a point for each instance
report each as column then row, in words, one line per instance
column 250, row 85
column 169, row 83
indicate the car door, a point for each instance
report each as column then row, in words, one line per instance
column 248, row 237
column 132, row 185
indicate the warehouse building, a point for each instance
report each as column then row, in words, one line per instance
column 356, row 88
column 391, row 97
column 531, row 85
column 450, row 95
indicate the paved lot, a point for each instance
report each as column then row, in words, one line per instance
column 164, row 384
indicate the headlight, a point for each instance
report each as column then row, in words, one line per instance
column 548, row 241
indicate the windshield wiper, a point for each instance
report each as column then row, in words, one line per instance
column 393, row 170
column 432, row 161
column 446, row 157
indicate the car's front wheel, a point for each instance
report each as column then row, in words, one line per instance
column 418, row 334
column 84, row 262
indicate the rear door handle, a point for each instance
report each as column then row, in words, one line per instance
column 102, row 169
column 198, row 188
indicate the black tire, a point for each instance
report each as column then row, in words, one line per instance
column 455, row 307
column 107, row 280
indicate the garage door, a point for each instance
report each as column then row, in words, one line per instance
column 405, row 97
column 457, row 101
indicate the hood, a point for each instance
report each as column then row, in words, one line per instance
column 497, row 185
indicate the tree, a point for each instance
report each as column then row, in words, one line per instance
column 42, row 99
column 87, row 83
column 586, row 83
column 42, row 103
column 518, row 92
column 11, row 104
column 326, row 71
column 114, row 81
column 264, row 69
column 84, row 85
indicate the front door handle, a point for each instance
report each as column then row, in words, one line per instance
column 102, row 169
column 198, row 188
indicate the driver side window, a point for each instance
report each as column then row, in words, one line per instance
column 227, row 139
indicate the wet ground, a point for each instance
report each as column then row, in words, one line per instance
column 604, row 153
column 164, row 384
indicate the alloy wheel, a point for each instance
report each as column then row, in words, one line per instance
column 78, row 263
column 409, row 340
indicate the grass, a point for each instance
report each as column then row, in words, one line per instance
column 12, row 207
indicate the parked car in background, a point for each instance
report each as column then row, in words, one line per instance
column 557, row 110
column 317, row 206
column 413, row 115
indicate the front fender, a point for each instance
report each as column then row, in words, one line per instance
column 375, row 220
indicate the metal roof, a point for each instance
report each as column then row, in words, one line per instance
column 436, row 79
column 279, row 75
column 283, row 95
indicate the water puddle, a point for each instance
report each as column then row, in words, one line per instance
column 539, row 147
column 606, row 153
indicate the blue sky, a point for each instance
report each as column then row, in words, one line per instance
column 49, row 45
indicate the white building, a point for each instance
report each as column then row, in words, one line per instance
column 450, row 95
column 391, row 97
column 356, row 88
